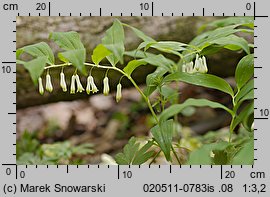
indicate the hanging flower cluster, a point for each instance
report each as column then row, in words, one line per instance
column 200, row 66
column 76, row 83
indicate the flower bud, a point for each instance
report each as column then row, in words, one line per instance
column 72, row 86
column 189, row 67
column 197, row 63
column 184, row 66
column 49, row 86
column 79, row 85
column 40, row 86
column 106, row 87
column 118, row 93
column 63, row 82
column 203, row 68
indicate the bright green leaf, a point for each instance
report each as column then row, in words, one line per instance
column 163, row 136
column 244, row 70
column 114, row 41
column 18, row 53
column 177, row 108
column 205, row 80
column 99, row 53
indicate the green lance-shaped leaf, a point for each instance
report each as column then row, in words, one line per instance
column 167, row 47
column 177, row 108
column 75, row 52
column 231, row 42
column 209, row 36
column 36, row 67
column 205, row 80
column 243, row 21
column 114, row 41
column 99, row 53
column 244, row 70
column 163, row 135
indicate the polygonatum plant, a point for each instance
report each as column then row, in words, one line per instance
column 191, row 67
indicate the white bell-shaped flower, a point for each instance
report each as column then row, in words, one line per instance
column 106, row 87
column 72, row 86
column 91, row 86
column 79, row 85
column 203, row 68
column 49, row 86
column 118, row 93
column 40, row 86
column 63, row 82
column 198, row 62
column 88, row 85
column 94, row 87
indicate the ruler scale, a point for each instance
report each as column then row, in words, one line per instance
column 144, row 180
